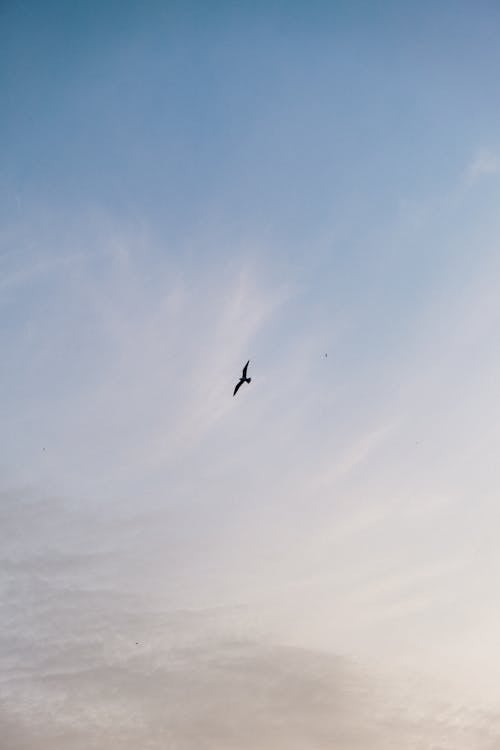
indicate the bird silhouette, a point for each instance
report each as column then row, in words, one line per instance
column 243, row 379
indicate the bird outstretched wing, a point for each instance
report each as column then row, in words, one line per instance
column 237, row 386
column 245, row 370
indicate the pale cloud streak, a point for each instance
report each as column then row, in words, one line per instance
column 339, row 525
column 486, row 163
column 306, row 514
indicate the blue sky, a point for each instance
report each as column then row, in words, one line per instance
column 182, row 189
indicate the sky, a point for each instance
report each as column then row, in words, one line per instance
column 314, row 563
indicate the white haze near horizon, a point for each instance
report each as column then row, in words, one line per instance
column 314, row 562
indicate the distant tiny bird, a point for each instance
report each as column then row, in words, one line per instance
column 243, row 379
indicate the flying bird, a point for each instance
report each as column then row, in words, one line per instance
column 243, row 379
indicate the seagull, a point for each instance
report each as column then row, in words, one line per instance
column 243, row 379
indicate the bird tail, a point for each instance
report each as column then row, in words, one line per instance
column 249, row 380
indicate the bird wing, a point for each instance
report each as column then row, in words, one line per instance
column 245, row 370
column 240, row 382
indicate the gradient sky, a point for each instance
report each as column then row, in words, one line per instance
column 315, row 563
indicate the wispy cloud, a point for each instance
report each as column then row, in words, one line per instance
column 350, row 490
column 485, row 163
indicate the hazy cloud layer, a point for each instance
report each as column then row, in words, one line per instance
column 88, row 666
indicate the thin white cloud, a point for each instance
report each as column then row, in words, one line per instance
column 485, row 163
column 308, row 516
